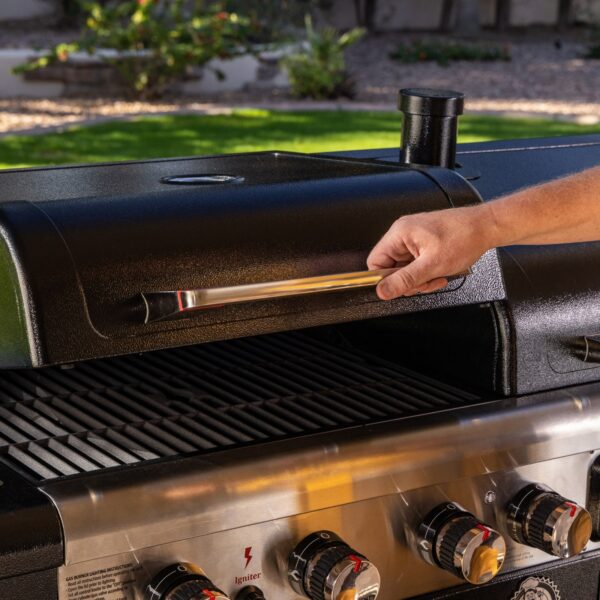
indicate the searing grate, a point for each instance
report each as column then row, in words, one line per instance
column 59, row 422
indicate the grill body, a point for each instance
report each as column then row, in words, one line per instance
column 525, row 342
column 113, row 468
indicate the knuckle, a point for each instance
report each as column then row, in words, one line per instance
column 398, row 225
column 406, row 279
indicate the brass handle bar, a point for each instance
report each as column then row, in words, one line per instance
column 164, row 305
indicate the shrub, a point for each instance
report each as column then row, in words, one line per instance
column 157, row 42
column 593, row 49
column 318, row 70
column 443, row 52
column 276, row 20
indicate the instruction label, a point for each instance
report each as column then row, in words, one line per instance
column 101, row 582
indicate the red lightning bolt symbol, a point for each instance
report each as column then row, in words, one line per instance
column 209, row 594
column 247, row 556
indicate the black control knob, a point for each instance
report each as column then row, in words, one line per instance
column 539, row 517
column 182, row 581
column 455, row 540
column 324, row 567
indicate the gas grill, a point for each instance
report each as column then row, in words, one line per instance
column 202, row 398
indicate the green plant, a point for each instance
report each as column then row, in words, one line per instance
column 275, row 20
column 443, row 52
column 593, row 50
column 318, row 70
column 157, row 42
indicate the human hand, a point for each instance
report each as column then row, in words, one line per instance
column 435, row 245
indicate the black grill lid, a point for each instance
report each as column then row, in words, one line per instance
column 79, row 246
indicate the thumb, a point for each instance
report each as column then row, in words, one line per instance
column 405, row 280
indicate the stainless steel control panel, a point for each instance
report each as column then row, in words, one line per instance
column 384, row 529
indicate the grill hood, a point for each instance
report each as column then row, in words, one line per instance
column 80, row 246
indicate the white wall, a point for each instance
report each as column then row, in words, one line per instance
column 422, row 14
column 14, row 85
column 13, row 10
column 425, row 14
column 588, row 10
column 534, row 12
column 392, row 14
column 239, row 72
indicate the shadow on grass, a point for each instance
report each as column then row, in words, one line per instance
column 248, row 130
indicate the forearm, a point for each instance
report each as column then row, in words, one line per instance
column 562, row 211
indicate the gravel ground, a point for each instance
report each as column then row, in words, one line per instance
column 37, row 116
column 541, row 80
column 538, row 72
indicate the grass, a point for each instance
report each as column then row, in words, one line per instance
column 247, row 130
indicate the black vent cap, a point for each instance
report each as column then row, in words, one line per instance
column 431, row 102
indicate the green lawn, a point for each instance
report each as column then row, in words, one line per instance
column 247, row 130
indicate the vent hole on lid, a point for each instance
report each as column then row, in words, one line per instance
column 201, row 179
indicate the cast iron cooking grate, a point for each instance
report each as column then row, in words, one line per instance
column 64, row 421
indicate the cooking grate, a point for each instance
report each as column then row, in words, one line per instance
column 63, row 421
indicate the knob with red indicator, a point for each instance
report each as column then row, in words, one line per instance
column 324, row 567
column 182, row 581
column 539, row 517
column 455, row 540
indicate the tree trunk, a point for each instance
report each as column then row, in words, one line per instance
column 502, row 15
column 447, row 13
column 564, row 14
column 366, row 12
column 358, row 12
column 467, row 18
column 370, row 14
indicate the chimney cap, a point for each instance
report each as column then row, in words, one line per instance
column 431, row 102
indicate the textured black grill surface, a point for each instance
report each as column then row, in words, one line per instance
column 63, row 421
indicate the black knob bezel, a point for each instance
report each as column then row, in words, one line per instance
column 433, row 524
column 324, row 565
column 456, row 528
column 536, row 526
column 528, row 513
column 320, row 551
column 305, row 551
column 170, row 578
